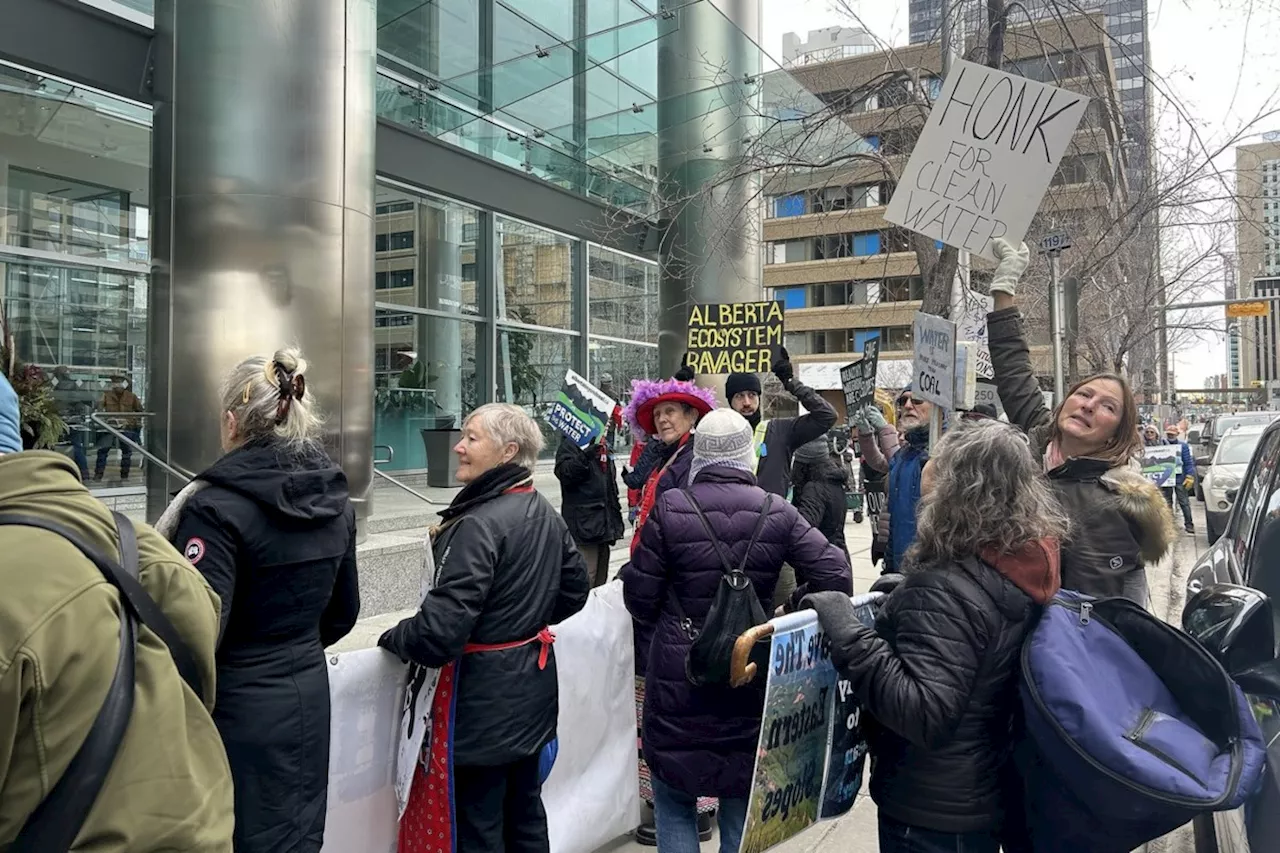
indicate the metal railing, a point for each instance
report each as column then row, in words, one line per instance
column 146, row 454
column 391, row 454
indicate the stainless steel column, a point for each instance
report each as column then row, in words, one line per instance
column 440, row 289
column 263, row 189
column 708, row 109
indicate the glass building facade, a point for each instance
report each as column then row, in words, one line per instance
column 472, row 303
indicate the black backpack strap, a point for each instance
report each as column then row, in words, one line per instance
column 54, row 824
column 139, row 601
column 715, row 540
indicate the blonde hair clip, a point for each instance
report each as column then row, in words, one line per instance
column 248, row 389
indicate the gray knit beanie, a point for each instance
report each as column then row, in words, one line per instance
column 723, row 437
column 813, row 451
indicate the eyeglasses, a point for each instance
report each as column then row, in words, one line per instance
column 904, row 400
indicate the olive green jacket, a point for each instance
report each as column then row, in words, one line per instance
column 169, row 787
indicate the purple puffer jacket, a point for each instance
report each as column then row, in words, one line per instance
column 675, row 477
column 702, row 740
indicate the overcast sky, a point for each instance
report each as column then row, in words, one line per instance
column 1218, row 58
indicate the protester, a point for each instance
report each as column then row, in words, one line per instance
column 168, row 785
column 1188, row 481
column 506, row 569
column 776, row 439
column 904, row 476
column 666, row 410
column 590, row 503
column 119, row 399
column 1088, row 445
column 634, row 477
column 271, row 528
column 818, row 485
column 702, row 740
column 937, row 675
column 879, row 443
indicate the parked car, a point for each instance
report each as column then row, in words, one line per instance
column 1224, row 617
column 1222, row 481
column 1214, row 429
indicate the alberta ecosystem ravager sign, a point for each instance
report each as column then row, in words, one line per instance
column 734, row 337
column 984, row 158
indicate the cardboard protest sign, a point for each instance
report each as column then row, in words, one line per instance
column 1162, row 464
column 812, row 751
column 581, row 411
column 858, row 380
column 935, row 359
column 986, row 393
column 970, row 310
column 985, row 158
column 734, row 337
column 966, row 379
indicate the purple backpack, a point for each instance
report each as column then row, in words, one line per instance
column 1131, row 729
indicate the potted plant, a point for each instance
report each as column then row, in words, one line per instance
column 42, row 426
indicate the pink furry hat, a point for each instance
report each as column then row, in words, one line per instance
column 647, row 393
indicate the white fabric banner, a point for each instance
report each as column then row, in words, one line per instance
column 591, row 797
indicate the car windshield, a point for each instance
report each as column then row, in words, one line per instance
column 1225, row 425
column 1236, row 448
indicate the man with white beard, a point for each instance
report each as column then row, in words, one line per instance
column 904, row 476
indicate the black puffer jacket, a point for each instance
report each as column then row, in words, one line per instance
column 937, row 678
column 1119, row 522
column 274, row 534
column 506, row 567
column 589, row 499
column 820, row 497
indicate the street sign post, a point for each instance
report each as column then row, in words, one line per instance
column 1052, row 245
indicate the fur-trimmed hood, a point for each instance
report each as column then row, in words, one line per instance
column 1139, row 500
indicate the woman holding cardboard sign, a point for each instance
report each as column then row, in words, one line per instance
column 1088, row 445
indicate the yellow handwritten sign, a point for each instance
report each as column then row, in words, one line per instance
column 734, row 337
column 1248, row 309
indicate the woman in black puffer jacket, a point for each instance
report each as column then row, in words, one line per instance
column 817, row 490
column 938, row 673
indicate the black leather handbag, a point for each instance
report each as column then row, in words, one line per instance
column 55, row 823
column 735, row 610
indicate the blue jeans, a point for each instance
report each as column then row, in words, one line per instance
column 898, row 837
column 676, row 815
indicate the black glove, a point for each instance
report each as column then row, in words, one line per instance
column 835, row 613
column 685, row 373
column 782, row 368
column 387, row 641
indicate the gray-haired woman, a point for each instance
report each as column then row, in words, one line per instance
column 937, row 673
column 271, row 528
column 506, row 569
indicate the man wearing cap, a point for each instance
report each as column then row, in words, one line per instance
column 777, row 439
column 1188, row 476
column 119, row 399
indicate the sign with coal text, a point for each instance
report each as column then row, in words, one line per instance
column 734, row 337
column 984, row 158
column 934, row 365
column 858, row 380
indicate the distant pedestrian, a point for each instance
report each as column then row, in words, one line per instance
column 119, row 400
column 1187, row 482
column 818, row 491
column 590, row 503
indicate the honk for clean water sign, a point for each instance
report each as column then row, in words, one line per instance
column 984, row 158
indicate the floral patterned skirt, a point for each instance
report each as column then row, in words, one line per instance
column 706, row 805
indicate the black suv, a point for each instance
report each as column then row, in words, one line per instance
column 1242, row 570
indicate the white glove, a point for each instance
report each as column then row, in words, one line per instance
column 1012, row 263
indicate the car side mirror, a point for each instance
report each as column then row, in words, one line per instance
column 887, row 583
column 1234, row 624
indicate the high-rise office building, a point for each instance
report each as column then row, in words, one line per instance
column 1126, row 37
column 1258, row 257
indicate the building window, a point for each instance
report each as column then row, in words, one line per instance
column 785, row 206
column 791, row 297
column 866, row 243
